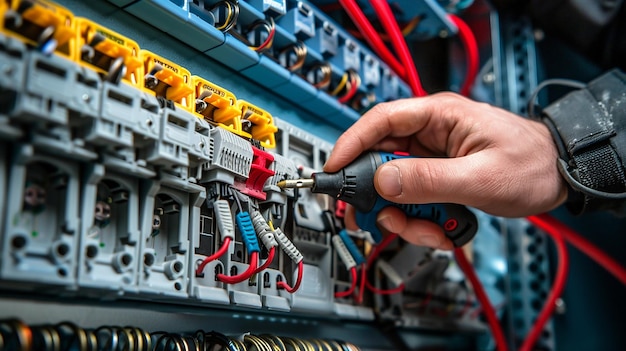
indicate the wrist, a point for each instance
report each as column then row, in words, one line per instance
column 588, row 127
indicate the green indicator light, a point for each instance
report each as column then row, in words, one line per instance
column 101, row 244
column 34, row 233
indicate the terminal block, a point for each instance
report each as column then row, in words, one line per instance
column 258, row 124
column 41, row 24
column 325, row 41
column 109, row 53
column 273, row 8
column 167, row 220
column 109, row 232
column 175, row 139
column 13, row 57
column 168, row 80
column 41, row 231
column 217, row 105
column 201, row 151
column 216, row 223
column 232, row 158
column 277, row 202
column 299, row 20
column 260, row 171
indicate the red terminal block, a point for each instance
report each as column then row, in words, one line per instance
column 259, row 173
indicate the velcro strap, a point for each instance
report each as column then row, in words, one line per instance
column 589, row 127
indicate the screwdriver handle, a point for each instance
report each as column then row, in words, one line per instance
column 457, row 221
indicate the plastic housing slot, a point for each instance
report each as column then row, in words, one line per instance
column 41, row 221
column 110, row 212
column 164, row 247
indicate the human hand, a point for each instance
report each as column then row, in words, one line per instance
column 470, row 153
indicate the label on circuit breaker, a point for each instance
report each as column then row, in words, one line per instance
column 304, row 21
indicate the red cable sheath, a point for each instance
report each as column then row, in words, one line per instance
column 549, row 225
column 350, row 93
column 359, row 298
column 284, row 285
column 352, row 285
column 375, row 290
column 481, row 295
column 370, row 260
column 215, row 256
column 254, row 258
column 388, row 20
column 471, row 53
column 270, row 37
column 268, row 261
column 589, row 249
column 372, row 37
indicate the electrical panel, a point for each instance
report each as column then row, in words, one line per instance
column 143, row 146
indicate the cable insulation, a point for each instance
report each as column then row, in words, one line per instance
column 552, row 229
column 291, row 290
column 389, row 23
column 353, row 283
column 254, row 258
column 268, row 261
column 471, row 53
column 481, row 295
column 215, row 256
column 372, row 37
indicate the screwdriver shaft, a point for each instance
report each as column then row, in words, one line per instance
column 296, row 183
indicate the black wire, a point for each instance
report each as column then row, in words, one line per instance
column 558, row 81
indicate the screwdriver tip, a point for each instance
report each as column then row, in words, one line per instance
column 296, row 183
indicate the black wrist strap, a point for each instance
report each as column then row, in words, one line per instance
column 589, row 128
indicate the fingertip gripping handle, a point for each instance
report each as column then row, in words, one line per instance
column 457, row 221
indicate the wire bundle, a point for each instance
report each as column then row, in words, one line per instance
column 15, row 335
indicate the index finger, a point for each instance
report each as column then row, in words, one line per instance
column 399, row 118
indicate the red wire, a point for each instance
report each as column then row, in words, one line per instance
column 353, row 89
column 284, row 285
column 268, row 261
column 352, row 285
column 370, row 260
column 589, row 249
column 481, row 295
column 215, row 256
column 549, row 225
column 359, row 298
column 270, row 37
column 375, row 290
column 471, row 53
column 372, row 37
column 388, row 20
column 254, row 257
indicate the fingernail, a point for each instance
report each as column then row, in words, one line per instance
column 430, row 241
column 386, row 222
column 390, row 181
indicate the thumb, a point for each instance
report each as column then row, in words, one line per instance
column 430, row 180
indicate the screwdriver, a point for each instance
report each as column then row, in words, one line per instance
column 354, row 184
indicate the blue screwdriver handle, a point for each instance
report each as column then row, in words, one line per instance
column 457, row 221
